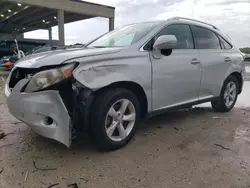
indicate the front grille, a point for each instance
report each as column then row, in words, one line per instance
column 19, row 74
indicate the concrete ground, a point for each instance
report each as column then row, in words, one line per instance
column 4, row 71
column 194, row 148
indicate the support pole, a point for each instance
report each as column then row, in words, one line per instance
column 50, row 35
column 111, row 24
column 60, row 17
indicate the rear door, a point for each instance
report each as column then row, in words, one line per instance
column 215, row 61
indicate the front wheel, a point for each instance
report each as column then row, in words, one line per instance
column 113, row 118
column 228, row 96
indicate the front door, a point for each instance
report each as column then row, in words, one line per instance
column 176, row 77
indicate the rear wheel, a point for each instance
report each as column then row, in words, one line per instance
column 228, row 96
column 113, row 118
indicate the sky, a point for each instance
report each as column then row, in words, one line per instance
column 230, row 16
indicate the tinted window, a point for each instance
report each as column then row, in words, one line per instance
column 205, row 39
column 225, row 44
column 182, row 33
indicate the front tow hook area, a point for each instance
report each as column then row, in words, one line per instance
column 43, row 111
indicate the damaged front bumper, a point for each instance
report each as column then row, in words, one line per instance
column 44, row 111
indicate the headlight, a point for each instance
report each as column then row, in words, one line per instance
column 50, row 77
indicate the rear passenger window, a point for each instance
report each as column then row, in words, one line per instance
column 182, row 33
column 225, row 44
column 205, row 39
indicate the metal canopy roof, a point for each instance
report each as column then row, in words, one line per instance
column 19, row 16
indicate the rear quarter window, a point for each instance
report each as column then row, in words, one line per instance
column 225, row 44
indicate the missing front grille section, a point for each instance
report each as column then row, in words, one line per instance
column 66, row 92
column 21, row 73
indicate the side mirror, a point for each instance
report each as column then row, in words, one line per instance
column 165, row 42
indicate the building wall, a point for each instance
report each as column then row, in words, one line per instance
column 7, row 44
column 7, row 36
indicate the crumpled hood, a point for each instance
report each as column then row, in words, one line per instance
column 59, row 56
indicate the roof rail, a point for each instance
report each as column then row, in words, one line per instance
column 183, row 18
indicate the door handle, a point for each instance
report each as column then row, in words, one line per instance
column 194, row 61
column 227, row 59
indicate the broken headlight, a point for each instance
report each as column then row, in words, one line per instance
column 49, row 77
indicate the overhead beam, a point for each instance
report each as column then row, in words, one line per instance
column 15, row 10
column 1, row 3
column 41, row 16
column 4, row 8
column 20, row 27
column 37, row 23
column 67, row 19
column 80, row 7
column 23, row 13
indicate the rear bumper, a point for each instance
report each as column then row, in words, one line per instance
column 35, row 108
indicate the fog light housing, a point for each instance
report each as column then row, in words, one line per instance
column 48, row 121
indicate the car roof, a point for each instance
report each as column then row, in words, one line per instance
column 181, row 20
column 184, row 20
column 199, row 23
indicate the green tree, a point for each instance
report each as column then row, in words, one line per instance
column 245, row 50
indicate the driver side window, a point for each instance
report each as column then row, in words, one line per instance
column 182, row 33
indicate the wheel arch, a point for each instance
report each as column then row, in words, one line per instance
column 135, row 88
column 239, row 78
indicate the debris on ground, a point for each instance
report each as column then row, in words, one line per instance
column 53, row 185
column 85, row 180
column 177, row 129
column 6, row 145
column 16, row 123
column 2, row 135
column 243, row 167
column 74, row 185
column 216, row 117
column 38, row 168
column 246, row 110
column 26, row 176
column 222, row 147
column 1, row 170
column 3, row 80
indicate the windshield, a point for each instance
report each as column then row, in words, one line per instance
column 124, row 36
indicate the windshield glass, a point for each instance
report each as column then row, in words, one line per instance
column 124, row 36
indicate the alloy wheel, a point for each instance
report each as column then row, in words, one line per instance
column 230, row 94
column 120, row 120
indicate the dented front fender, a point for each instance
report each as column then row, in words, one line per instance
column 98, row 72
column 100, row 76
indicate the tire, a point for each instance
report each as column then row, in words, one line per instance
column 222, row 105
column 104, row 120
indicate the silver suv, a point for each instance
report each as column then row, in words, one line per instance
column 130, row 73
